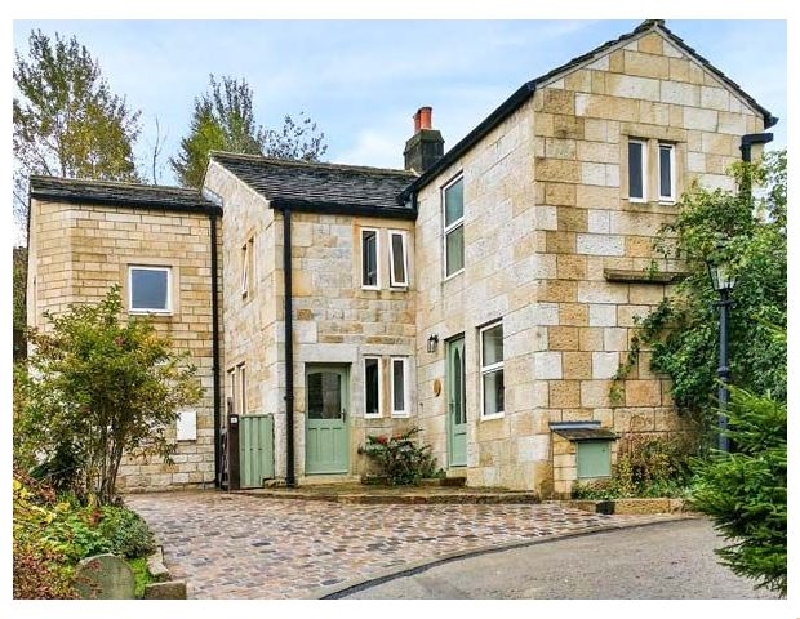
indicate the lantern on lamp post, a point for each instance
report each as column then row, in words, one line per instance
column 723, row 280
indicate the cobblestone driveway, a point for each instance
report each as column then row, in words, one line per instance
column 243, row 547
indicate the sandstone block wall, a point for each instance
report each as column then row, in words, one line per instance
column 81, row 250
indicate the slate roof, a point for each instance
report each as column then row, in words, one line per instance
column 130, row 195
column 325, row 187
column 524, row 92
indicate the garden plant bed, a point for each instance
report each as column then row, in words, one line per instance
column 627, row 507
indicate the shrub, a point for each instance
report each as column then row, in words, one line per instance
column 399, row 458
column 127, row 532
column 745, row 492
column 41, row 570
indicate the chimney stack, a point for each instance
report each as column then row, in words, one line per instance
column 426, row 145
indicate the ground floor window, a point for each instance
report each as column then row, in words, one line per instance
column 372, row 387
column 399, row 375
column 492, row 380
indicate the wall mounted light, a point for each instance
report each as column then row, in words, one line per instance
column 433, row 340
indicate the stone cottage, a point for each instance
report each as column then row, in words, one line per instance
column 485, row 294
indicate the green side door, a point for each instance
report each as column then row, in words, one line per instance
column 327, row 398
column 455, row 371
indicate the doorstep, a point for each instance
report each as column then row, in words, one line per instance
column 372, row 495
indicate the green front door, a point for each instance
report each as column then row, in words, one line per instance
column 327, row 398
column 456, row 401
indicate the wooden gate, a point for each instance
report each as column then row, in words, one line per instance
column 256, row 450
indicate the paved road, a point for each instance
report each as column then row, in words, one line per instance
column 242, row 547
column 664, row 561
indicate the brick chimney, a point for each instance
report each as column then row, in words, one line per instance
column 426, row 146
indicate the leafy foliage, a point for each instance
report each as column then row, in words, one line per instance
column 97, row 388
column 745, row 492
column 750, row 235
column 399, row 458
column 67, row 122
column 20, row 284
column 41, row 570
column 224, row 120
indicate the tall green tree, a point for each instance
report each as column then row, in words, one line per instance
column 67, row 121
column 224, row 120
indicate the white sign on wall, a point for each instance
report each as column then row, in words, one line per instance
column 187, row 425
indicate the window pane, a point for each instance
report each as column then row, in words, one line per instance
column 398, row 259
column 665, row 166
column 398, row 369
column 371, row 369
column 635, row 172
column 148, row 289
column 454, row 248
column 243, row 410
column 453, row 203
column 493, row 345
column 369, row 258
column 493, row 393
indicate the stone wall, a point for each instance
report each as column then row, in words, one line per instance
column 546, row 218
column 335, row 320
column 80, row 250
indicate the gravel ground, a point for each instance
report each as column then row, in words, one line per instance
column 664, row 561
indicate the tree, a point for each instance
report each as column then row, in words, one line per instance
column 745, row 492
column 20, row 284
column 67, row 122
column 224, row 120
column 750, row 234
column 97, row 388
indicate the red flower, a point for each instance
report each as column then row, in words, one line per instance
column 382, row 440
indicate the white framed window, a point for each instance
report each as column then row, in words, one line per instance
column 149, row 289
column 453, row 199
column 242, row 404
column 666, row 172
column 398, row 259
column 399, row 376
column 248, row 261
column 370, row 250
column 637, row 170
column 232, row 391
column 492, row 383
column 373, row 387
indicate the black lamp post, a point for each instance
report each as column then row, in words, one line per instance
column 723, row 280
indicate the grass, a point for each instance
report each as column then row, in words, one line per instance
column 141, row 576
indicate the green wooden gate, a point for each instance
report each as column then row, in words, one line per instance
column 256, row 450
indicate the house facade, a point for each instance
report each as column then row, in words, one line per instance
column 486, row 294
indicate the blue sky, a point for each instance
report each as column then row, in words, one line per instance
column 361, row 81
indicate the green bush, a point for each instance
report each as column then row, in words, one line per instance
column 745, row 492
column 399, row 458
column 40, row 569
column 126, row 532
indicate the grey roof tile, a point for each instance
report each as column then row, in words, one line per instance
column 316, row 182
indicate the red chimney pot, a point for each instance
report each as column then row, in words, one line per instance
column 425, row 117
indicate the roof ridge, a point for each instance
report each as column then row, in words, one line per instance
column 103, row 183
column 300, row 163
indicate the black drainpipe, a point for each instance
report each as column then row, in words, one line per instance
column 288, row 345
column 748, row 140
column 753, row 138
column 212, row 215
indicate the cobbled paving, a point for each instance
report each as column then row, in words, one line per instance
column 243, row 547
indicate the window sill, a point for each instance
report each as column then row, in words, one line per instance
column 453, row 275
column 400, row 415
column 493, row 417
column 157, row 313
column 373, row 416
column 373, row 288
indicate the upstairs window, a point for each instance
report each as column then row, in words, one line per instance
column 637, row 170
column 492, row 383
column 247, row 267
column 454, row 228
column 398, row 259
column 666, row 172
column 369, row 259
column 149, row 289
